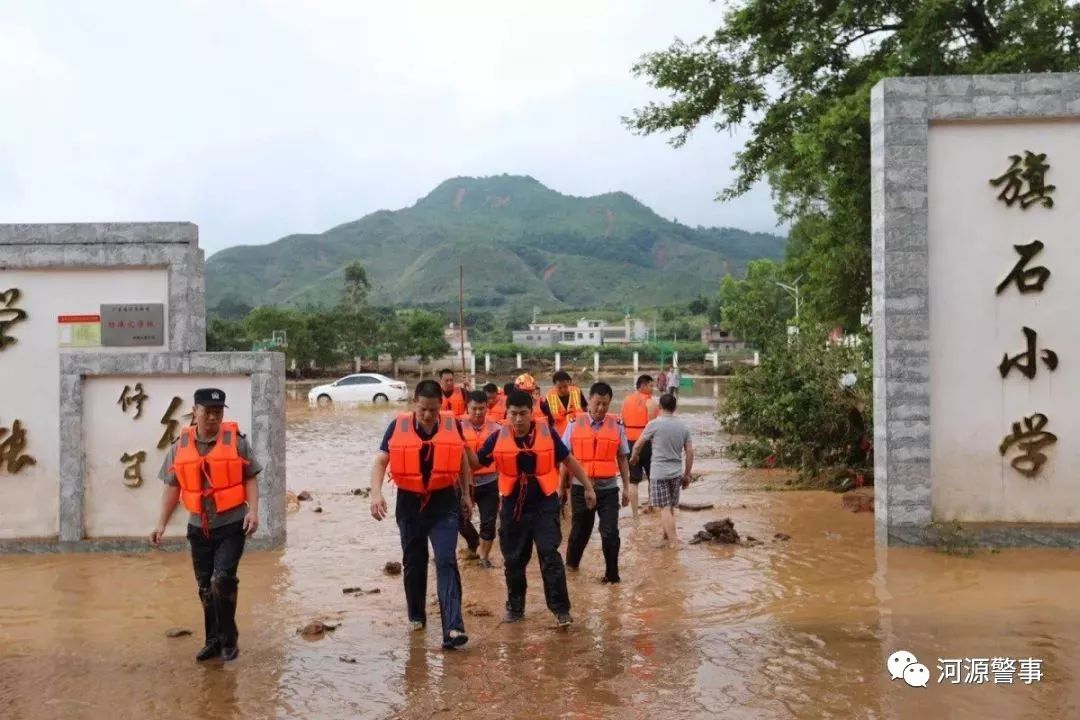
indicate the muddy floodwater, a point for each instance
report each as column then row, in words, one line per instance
column 795, row 629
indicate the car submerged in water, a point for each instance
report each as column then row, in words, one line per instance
column 358, row 388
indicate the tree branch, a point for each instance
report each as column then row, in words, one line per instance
column 981, row 27
column 870, row 31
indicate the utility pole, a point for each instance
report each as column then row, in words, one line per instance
column 461, row 320
column 792, row 290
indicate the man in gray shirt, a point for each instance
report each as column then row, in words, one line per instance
column 670, row 442
column 210, row 470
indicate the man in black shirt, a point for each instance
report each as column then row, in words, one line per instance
column 527, row 455
column 428, row 461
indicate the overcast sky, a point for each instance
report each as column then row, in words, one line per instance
column 256, row 119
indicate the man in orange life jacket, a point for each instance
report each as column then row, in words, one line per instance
column 210, row 468
column 527, row 455
column 426, row 453
column 565, row 401
column 638, row 409
column 454, row 399
column 496, row 403
column 478, row 428
column 597, row 440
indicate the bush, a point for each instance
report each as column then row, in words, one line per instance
column 794, row 401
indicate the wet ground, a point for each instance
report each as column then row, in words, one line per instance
column 796, row 629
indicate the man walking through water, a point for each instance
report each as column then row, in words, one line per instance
column 426, row 453
column 478, row 428
column 210, row 469
column 670, row 440
column 597, row 441
column 527, row 455
column 637, row 409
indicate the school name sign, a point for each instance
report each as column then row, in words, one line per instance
column 976, row 281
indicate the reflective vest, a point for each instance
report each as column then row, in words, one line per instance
column 597, row 451
column 635, row 414
column 565, row 413
column 497, row 413
column 222, row 467
column 406, row 448
column 454, row 404
column 506, row 459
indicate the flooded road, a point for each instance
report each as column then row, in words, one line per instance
column 797, row 629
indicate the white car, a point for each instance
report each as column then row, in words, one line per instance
column 358, row 388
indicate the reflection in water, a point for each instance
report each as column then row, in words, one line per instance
column 786, row 630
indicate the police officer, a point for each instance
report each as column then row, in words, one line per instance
column 209, row 468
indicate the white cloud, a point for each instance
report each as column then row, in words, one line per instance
column 256, row 119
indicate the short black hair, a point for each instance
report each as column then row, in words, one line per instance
column 601, row 388
column 519, row 398
column 668, row 402
column 643, row 380
column 561, row 376
column 509, row 388
column 491, row 388
column 427, row 389
column 478, row 396
column 444, row 371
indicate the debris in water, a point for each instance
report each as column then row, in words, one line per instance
column 362, row 492
column 782, row 537
column 318, row 508
column 347, row 659
column 303, row 495
column 177, row 632
column 722, row 531
column 695, row 506
column 316, row 628
column 475, row 610
column 392, row 568
column 360, row 591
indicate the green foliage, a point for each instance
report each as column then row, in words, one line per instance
column 794, row 400
column 799, row 73
column 516, row 239
column 756, row 309
column 356, row 287
column 425, row 331
column 224, row 335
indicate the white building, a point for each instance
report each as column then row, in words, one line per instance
column 585, row 334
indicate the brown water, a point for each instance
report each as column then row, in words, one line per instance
column 799, row 629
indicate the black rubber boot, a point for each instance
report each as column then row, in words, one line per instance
column 212, row 648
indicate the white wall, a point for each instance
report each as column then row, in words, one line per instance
column 971, row 238
column 30, row 369
column 112, row 508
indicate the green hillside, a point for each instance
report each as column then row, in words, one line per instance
column 521, row 243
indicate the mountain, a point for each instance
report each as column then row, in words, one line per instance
column 522, row 244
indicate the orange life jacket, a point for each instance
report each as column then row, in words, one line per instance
column 597, row 451
column 565, row 414
column 635, row 414
column 475, row 439
column 455, row 403
column 497, row 413
column 406, row 447
column 222, row 466
column 506, row 455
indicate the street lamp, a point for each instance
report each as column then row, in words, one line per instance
column 792, row 290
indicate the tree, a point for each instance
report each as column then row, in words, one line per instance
column 699, row 305
column 394, row 339
column 263, row 322
column 756, row 310
column 355, row 297
column 800, row 73
column 226, row 336
column 426, row 337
